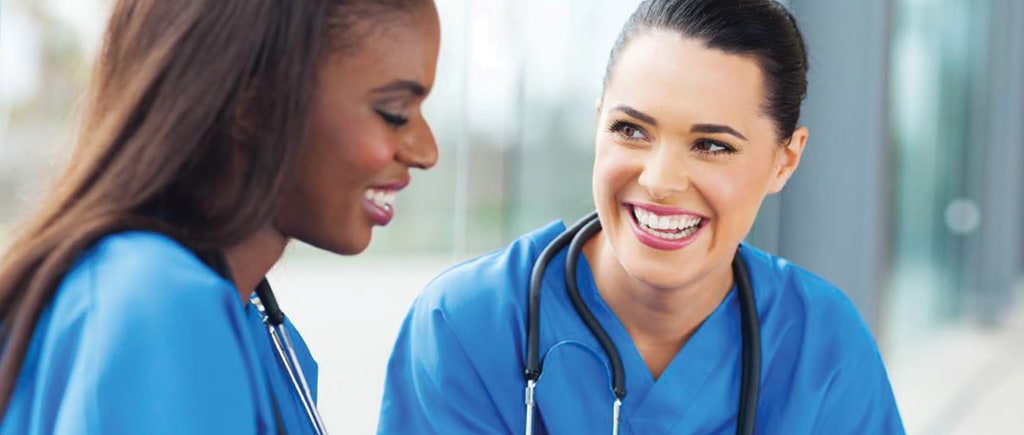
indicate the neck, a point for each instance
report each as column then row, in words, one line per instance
column 659, row 320
column 251, row 259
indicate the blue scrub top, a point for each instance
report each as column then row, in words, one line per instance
column 142, row 337
column 457, row 366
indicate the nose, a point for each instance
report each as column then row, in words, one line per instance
column 420, row 150
column 664, row 174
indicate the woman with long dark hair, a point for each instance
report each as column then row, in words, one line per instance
column 133, row 300
column 652, row 316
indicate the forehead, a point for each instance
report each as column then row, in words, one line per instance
column 388, row 46
column 662, row 70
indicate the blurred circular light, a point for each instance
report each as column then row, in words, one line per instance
column 962, row 216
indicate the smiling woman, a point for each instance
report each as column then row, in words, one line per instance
column 347, row 178
column 708, row 163
column 216, row 132
column 697, row 124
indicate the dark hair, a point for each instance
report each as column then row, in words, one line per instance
column 762, row 29
column 194, row 120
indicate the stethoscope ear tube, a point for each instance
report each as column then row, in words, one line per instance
column 751, row 330
column 273, row 318
column 299, row 380
column 572, row 288
column 575, row 248
column 271, row 310
column 266, row 304
column 533, row 369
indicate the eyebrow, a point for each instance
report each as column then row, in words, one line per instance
column 716, row 128
column 411, row 86
column 697, row 128
column 636, row 114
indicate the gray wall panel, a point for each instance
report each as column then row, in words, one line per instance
column 836, row 225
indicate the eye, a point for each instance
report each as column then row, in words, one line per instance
column 708, row 146
column 628, row 130
column 393, row 119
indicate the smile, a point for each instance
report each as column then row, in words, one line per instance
column 381, row 198
column 379, row 202
column 667, row 227
column 664, row 228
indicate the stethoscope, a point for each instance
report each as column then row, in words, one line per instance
column 266, row 304
column 575, row 236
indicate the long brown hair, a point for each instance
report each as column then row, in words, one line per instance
column 194, row 119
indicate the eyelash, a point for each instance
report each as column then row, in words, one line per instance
column 725, row 148
column 701, row 146
column 617, row 127
column 394, row 120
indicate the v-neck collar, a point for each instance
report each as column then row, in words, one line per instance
column 656, row 406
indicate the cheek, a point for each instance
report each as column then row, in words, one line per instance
column 366, row 152
column 613, row 168
column 335, row 169
column 734, row 192
column 353, row 155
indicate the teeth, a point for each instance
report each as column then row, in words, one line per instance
column 381, row 198
column 665, row 223
column 670, row 236
column 667, row 227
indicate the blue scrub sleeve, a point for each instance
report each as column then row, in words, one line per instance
column 432, row 385
column 860, row 400
column 148, row 368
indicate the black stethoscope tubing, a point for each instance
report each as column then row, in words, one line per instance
column 273, row 318
column 575, row 237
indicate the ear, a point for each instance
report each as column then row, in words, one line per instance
column 787, row 159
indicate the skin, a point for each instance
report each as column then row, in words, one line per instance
column 366, row 131
column 663, row 88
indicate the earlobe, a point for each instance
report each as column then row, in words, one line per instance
column 781, row 177
column 789, row 158
column 779, row 183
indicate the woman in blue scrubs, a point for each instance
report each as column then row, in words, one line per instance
column 696, row 125
column 216, row 132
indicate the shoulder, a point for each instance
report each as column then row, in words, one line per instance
column 138, row 305
column 498, row 277
column 787, row 293
column 140, row 284
column 143, row 272
column 463, row 333
column 818, row 351
column 481, row 303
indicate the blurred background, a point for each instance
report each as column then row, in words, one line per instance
column 910, row 196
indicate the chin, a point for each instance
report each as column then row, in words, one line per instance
column 343, row 244
column 355, row 250
column 353, row 247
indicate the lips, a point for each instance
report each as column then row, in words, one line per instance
column 379, row 201
column 664, row 228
